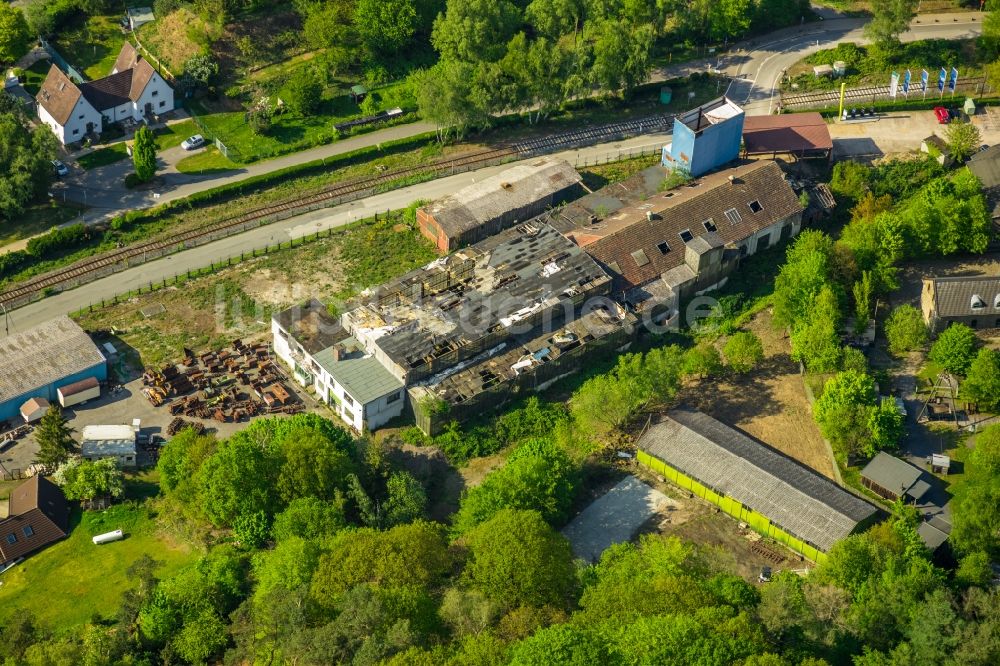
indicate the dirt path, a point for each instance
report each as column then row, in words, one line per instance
column 770, row 404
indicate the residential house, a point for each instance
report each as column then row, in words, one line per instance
column 38, row 516
column 132, row 91
column 970, row 300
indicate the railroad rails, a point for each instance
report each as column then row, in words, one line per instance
column 107, row 263
column 869, row 94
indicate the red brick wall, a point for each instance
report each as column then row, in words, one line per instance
column 429, row 228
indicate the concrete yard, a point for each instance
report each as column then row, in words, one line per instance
column 615, row 517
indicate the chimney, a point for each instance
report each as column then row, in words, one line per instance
column 649, row 216
column 336, row 352
column 732, row 179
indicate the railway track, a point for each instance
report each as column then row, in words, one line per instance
column 867, row 94
column 106, row 263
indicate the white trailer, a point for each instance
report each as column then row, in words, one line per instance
column 108, row 537
column 79, row 392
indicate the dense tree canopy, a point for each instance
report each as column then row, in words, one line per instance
column 15, row 36
column 26, row 155
column 955, row 349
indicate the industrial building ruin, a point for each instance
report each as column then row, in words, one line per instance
column 507, row 311
column 663, row 247
column 497, row 203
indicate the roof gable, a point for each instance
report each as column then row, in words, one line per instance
column 143, row 73
column 109, row 92
column 127, row 58
column 58, row 95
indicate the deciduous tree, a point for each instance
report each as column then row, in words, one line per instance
column 905, row 330
column 15, row 36
column 385, row 26
column 963, row 140
column 983, row 381
column 955, row 349
column 85, row 480
column 304, row 92
column 843, row 410
column 890, row 19
column 743, row 351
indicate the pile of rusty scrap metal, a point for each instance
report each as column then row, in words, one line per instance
column 177, row 425
column 228, row 385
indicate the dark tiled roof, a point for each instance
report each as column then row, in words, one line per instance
column 793, row 496
column 986, row 167
column 895, row 475
column 39, row 515
column 786, row 133
column 58, row 95
column 613, row 238
column 953, row 296
column 109, row 92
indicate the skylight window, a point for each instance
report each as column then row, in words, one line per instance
column 709, row 224
column 686, row 235
column 755, row 206
column 640, row 258
column 663, row 247
column 733, row 216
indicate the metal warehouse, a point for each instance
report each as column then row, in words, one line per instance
column 777, row 496
column 42, row 359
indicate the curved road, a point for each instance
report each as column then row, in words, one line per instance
column 757, row 68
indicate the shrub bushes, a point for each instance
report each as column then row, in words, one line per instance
column 57, row 240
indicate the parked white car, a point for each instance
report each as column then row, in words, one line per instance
column 60, row 168
column 192, row 142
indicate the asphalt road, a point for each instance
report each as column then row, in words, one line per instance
column 295, row 227
column 757, row 67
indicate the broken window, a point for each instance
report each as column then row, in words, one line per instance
column 733, row 216
column 640, row 258
column 686, row 235
column 709, row 224
column 663, row 247
column 755, row 206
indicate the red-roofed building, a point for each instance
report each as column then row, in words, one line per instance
column 803, row 135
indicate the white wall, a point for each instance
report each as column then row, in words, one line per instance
column 76, row 126
column 164, row 94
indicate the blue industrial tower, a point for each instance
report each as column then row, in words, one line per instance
column 705, row 138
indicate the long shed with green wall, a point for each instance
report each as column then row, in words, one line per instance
column 775, row 495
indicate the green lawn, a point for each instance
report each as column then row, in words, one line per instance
column 172, row 135
column 290, row 131
column 35, row 76
column 103, row 156
column 93, row 46
column 209, row 160
column 35, row 220
column 83, row 579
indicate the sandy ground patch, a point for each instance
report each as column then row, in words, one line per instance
column 770, row 403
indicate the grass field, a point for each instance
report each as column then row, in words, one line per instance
column 89, row 579
column 103, row 156
column 35, row 76
column 93, row 46
column 35, row 220
column 209, row 160
column 173, row 135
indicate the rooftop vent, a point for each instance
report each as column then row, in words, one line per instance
column 506, row 185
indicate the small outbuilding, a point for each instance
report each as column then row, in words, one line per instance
column 802, row 135
column 34, row 409
column 137, row 16
column 79, row 392
column 110, row 441
column 892, row 478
